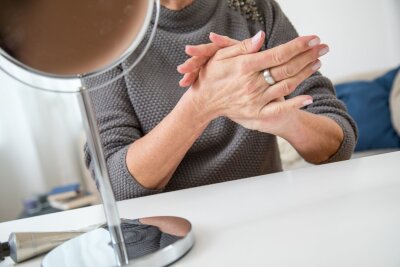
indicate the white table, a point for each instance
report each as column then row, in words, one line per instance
column 342, row 214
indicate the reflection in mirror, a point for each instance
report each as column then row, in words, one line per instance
column 148, row 241
column 69, row 37
column 92, row 247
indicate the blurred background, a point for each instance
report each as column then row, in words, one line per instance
column 41, row 135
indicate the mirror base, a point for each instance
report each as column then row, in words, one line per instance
column 153, row 241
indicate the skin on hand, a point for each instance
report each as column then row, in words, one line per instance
column 259, row 106
column 231, row 82
column 200, row 54
column 153, row 159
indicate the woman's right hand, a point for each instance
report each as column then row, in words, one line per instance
column 231, row 83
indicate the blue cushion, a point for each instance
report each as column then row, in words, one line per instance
column 368, row 104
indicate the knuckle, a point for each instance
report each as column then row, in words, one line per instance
column 301, row 43
column 243, row 46
column 286, row 88
column 287, row 71
column 278, row 110
column 277, row 56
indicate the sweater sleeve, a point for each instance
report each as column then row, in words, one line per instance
column 118, row 127
column 279, row 30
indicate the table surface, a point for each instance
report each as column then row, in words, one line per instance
column 341, row 214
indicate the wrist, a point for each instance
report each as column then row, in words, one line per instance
column 199, row 104
column 196, row 108
column 293, row 129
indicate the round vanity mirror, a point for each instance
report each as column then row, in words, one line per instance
column 44, row 44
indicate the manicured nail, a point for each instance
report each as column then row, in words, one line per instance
column 256, row 38
column 314, row 42
column 317, row 66
column 307, row 102
column 324, row 51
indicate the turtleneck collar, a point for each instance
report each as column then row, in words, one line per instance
column 191, row 17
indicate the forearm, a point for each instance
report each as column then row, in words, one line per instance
column 153, row 159
column 316, row 137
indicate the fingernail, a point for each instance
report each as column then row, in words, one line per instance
column 317, row 66
column 256, row 38
column 323, row 51
column 314, row 42
column 307, row 102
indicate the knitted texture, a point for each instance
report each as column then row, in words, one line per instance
column 131, row 107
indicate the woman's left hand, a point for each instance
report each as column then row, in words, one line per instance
column 200, row 54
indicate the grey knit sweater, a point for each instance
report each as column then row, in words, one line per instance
column 134, row 105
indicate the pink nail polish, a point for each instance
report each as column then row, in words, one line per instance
column 256, row 38
column 324, row 51
column 314, row 42
column 307, row 102
column 317, row 66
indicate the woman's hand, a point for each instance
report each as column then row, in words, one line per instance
column 231, row 83
column 200, row 54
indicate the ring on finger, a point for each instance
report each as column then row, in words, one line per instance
column 268, row 77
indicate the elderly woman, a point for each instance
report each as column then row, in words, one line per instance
column 238, row 97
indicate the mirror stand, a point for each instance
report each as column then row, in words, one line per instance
column 155, row 241
column 100, row 169
column 174, row 235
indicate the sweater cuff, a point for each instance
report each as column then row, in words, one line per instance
column 124, row 185
column 348, row 144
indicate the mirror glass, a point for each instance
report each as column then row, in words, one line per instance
column 70, row 38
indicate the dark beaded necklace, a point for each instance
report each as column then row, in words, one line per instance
column 248, row 8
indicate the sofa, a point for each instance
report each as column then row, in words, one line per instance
column 292, row 160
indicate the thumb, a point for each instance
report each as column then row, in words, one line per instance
column 244, row 47
column 298, row 102
column 279, row 109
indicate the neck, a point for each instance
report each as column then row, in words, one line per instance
column 176, row 4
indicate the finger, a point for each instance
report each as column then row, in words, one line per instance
column 192, row 64
column 279, row 109
column 209, row 50
column 244, row 47
column 294, row 66
column 192, row 77
column 281, row 54
column 288, row 86
column 222, row 41
column 188, row 79
column 203, row 50
column 298, row 102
